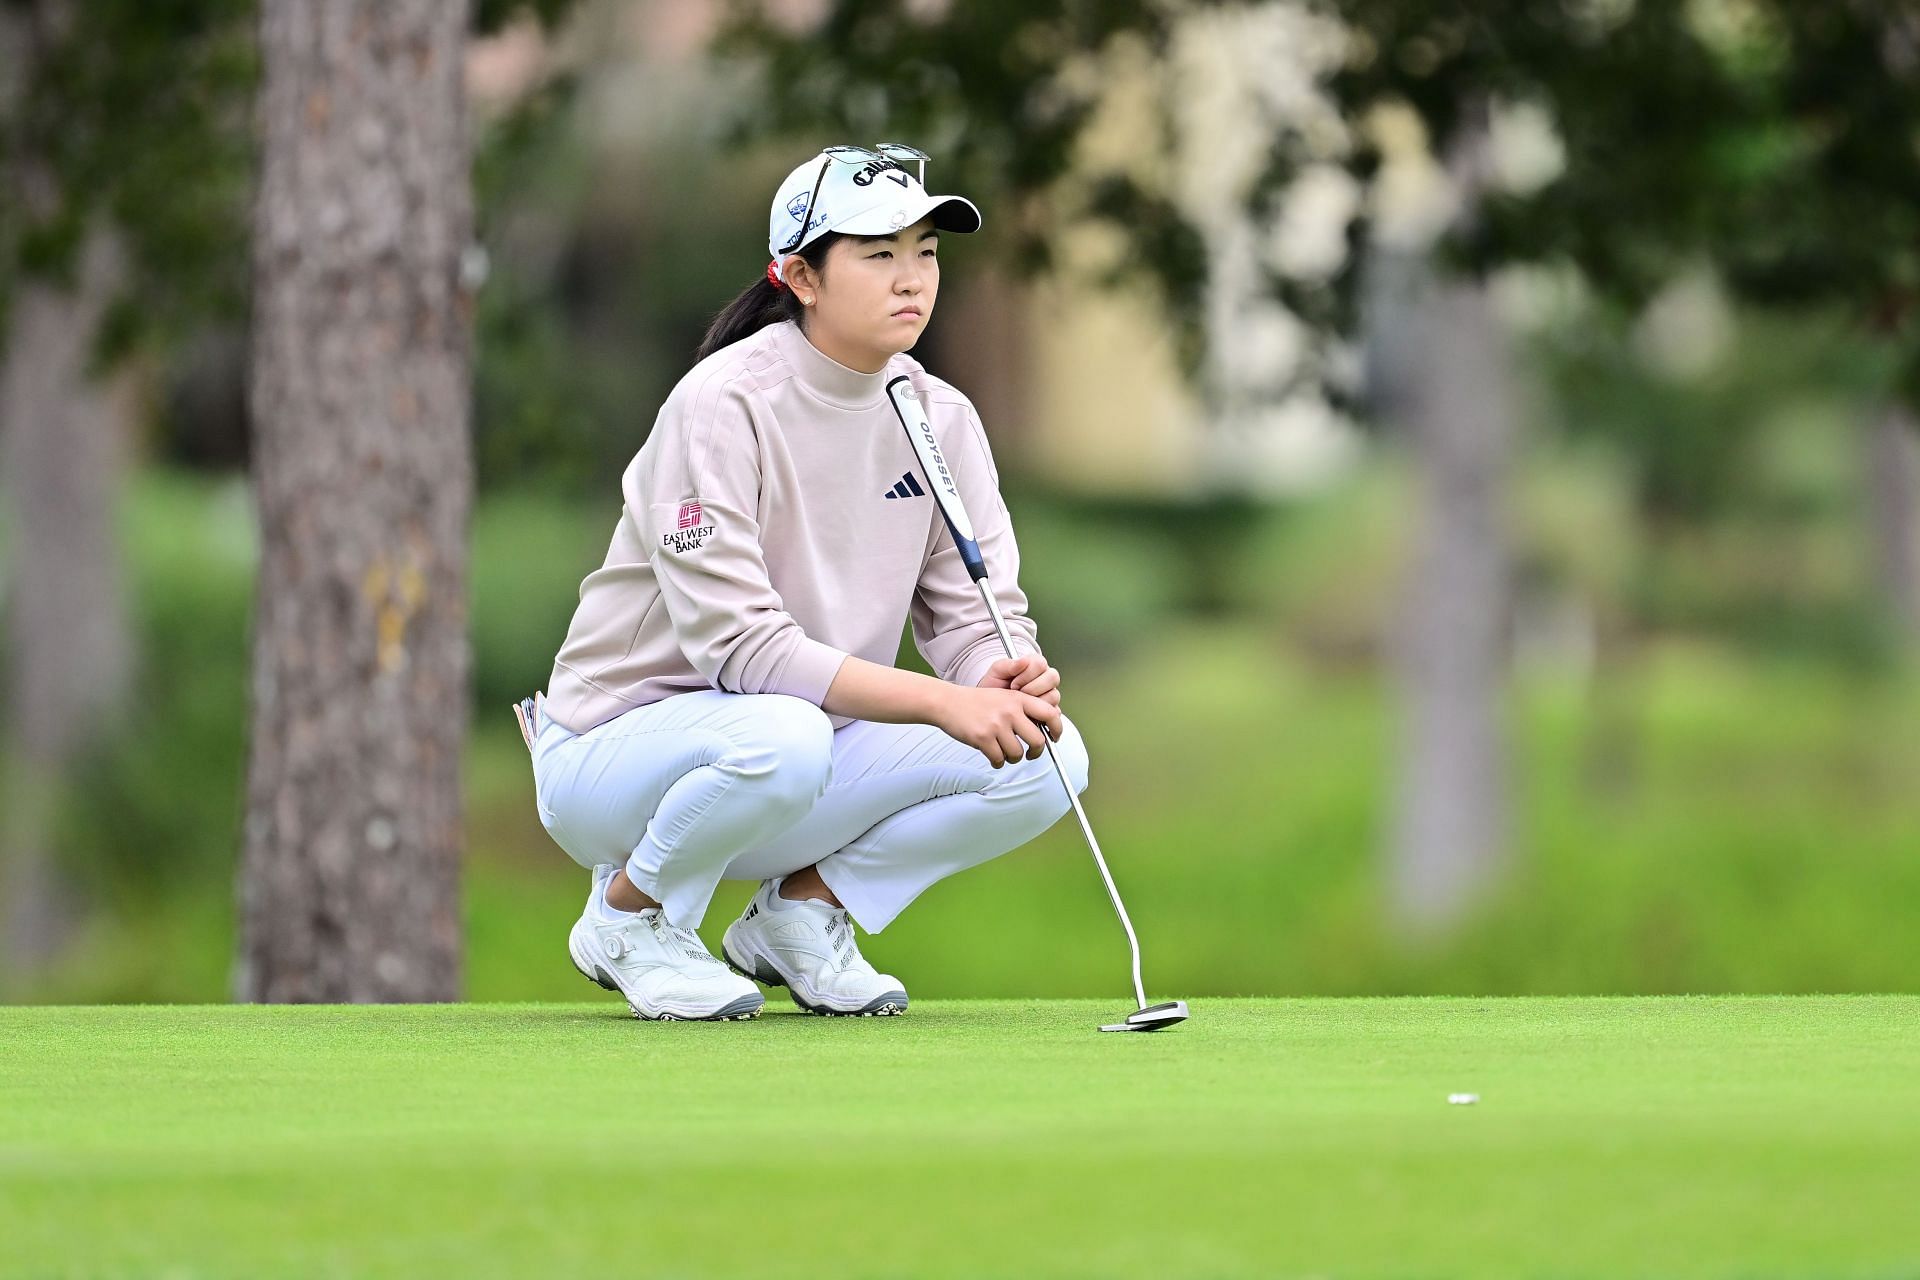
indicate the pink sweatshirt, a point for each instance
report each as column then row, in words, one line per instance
column 776, row 521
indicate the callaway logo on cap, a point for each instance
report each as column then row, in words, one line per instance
column 860, row 192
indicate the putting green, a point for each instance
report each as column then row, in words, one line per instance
column 1685, row 1136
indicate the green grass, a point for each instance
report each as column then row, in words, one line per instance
column 1678, row 1136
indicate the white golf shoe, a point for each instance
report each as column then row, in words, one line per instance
column 808, row 948
column 665, row 972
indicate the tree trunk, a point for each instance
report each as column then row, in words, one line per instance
column 1449, row 836
column 363, row 476
column 1455, row 398
column 1893, row 477
column 63, row 455
column 63, row 452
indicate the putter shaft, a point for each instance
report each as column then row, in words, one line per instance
column 1073, row 798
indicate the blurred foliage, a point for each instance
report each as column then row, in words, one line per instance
column 491, row 15
column 1770, row 137
column 529, row 554
column 600, row 286
column 1741, row 477
column 1623, row 84
column 1694, row 436
column 543, row 405
column 139, row 114
column 161, row 805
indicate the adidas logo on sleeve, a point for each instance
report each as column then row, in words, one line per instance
column 906, row 487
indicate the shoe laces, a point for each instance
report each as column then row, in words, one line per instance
column 676, row 935
column 840, row 936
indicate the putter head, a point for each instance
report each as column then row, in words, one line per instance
column 1154, row 1017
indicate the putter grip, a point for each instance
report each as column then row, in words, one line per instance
column 969, row 551
column 940, row 481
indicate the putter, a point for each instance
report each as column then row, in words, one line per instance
column 913, row 417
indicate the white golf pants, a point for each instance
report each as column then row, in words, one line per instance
column 706, row 786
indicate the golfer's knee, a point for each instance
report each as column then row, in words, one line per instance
column 783, row 752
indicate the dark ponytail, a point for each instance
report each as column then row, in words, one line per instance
column 761, row 304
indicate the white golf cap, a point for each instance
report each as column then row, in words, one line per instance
column 863, row 198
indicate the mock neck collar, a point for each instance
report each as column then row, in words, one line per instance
column 824, row 376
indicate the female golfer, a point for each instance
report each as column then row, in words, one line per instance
column 726, row 706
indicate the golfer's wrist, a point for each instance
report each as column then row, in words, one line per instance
column 937, row 698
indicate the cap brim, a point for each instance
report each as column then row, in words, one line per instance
column 950, row 213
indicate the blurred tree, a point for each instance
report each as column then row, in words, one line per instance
column 1753, row 136
column 124, row 166
column 1748, row 141
column 1462, row 67
column 1445, row 379
column 1891, row 457
column 1746, row 135
column 1825, row 211
column 126, row 132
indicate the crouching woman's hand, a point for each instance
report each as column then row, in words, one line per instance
column 1029, row 673
column 1002, row 724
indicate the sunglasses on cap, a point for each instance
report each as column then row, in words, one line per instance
column 883, row 153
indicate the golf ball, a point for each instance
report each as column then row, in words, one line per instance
column 1463, row 1099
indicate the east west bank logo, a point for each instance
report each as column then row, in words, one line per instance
column 689, row 533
